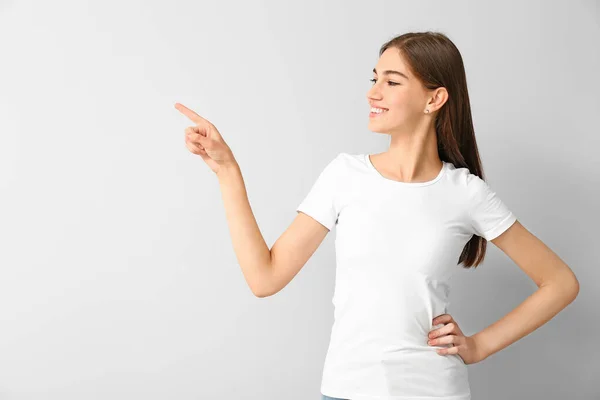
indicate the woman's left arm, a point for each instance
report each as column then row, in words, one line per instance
column 557, row 288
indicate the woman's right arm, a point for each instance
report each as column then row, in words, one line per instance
column 266, row 271
column 250, row 248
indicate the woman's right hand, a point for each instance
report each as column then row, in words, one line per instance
column 205, row 140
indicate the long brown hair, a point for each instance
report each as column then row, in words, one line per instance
column 436, row 62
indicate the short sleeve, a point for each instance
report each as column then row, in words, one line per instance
column 489, row 216
column 321, row 201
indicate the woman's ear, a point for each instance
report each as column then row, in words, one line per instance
column 438, row 98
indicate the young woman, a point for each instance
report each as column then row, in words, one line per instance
column 404, row 220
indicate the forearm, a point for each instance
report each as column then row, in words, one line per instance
column 250, row 248
column 547, row 301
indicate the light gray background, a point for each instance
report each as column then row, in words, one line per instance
column 118, row 278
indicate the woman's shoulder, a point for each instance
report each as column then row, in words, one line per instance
column 351, row 159
column 461, row 176
column 344, row 156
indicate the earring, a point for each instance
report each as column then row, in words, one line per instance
column 427, row 111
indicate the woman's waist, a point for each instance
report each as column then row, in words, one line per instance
column 396, row 370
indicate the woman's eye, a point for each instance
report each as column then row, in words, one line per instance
column 389, row 82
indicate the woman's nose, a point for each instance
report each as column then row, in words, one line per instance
column 373, row 93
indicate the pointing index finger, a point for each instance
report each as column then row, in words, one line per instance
column 189, row 113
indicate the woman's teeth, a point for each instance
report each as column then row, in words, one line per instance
column 378, row 110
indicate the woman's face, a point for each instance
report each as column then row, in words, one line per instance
column 404, row 97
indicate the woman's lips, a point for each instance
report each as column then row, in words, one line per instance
column 373, row 114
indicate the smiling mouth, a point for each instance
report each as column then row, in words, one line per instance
column 377, row 114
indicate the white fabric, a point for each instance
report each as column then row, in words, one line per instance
column 397, row 246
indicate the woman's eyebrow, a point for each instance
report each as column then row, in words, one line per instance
column 388, row 72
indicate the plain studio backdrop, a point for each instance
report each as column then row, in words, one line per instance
column 118, row 277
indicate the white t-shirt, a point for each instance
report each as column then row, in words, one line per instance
column 397, row 245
